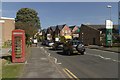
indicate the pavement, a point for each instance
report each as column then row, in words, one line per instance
column 111, row 49
column 40, row 65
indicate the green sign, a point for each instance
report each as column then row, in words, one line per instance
column 109, row 37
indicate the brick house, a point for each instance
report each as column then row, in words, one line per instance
column 96, row 34
column 102, row 29
column 6, row 27
column 49, row 34
column 64, row 30
column 89, row 35
column 75, row 31
column 53, row 28
column 59, row 30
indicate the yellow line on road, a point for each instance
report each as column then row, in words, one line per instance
column 67, row 74
column 70, row 74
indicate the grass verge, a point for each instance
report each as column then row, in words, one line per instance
column 12, row 71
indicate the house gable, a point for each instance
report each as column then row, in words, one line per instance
column 65, row 31
column 76, row 30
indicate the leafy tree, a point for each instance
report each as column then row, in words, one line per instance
column 28, row 20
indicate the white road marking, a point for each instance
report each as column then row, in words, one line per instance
column 47, row 47
column 48, row 54
column 45, row 51
column 102, row 57
column 85, row 53
column 41, row 47
column 26, row 62
column 43, row 58
column 107, row 58
column 104, row 51
column 56, row 61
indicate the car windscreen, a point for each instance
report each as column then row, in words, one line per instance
column 76, row 42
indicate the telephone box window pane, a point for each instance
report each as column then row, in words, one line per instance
column 18, row 46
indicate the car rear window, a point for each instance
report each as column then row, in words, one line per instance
column 75, row 42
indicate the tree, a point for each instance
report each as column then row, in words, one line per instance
column 28, row 20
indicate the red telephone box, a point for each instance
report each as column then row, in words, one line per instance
column 18, row 45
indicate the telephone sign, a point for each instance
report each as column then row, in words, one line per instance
column 18, row 46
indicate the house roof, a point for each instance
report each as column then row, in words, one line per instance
column 53, row 28
column 60, row 26
column 7, row 18
column 72, row 27
column 77, row 31
column 102, row 26
column 44, row 30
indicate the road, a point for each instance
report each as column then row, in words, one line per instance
column 94, row 64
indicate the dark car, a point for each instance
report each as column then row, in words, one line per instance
column 44, row 42
column 47, row 43
column 72, row 46
column 57, row 45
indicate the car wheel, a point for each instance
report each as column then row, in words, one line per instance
column 64, row 51
column 82, row 53
column 69, row 53
column 53, row 47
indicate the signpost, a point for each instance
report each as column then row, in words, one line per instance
column 109, row 27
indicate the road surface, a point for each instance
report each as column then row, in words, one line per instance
column 94, row 64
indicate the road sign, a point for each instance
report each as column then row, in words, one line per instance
column 109, row 24
column 109, row 27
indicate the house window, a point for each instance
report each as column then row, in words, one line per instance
column 100, row 32
column 63, row 31
column 66, row 31
column 100, row 38
column 69, row 31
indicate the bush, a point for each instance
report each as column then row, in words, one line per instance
column 7, row 43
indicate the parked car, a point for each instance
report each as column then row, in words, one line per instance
column 50, row 43
column 47, row 43
column 57, row 45
column 43, row 42
column 35, row 41
column 72, row 46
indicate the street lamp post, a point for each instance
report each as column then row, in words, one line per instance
column 109, row 6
